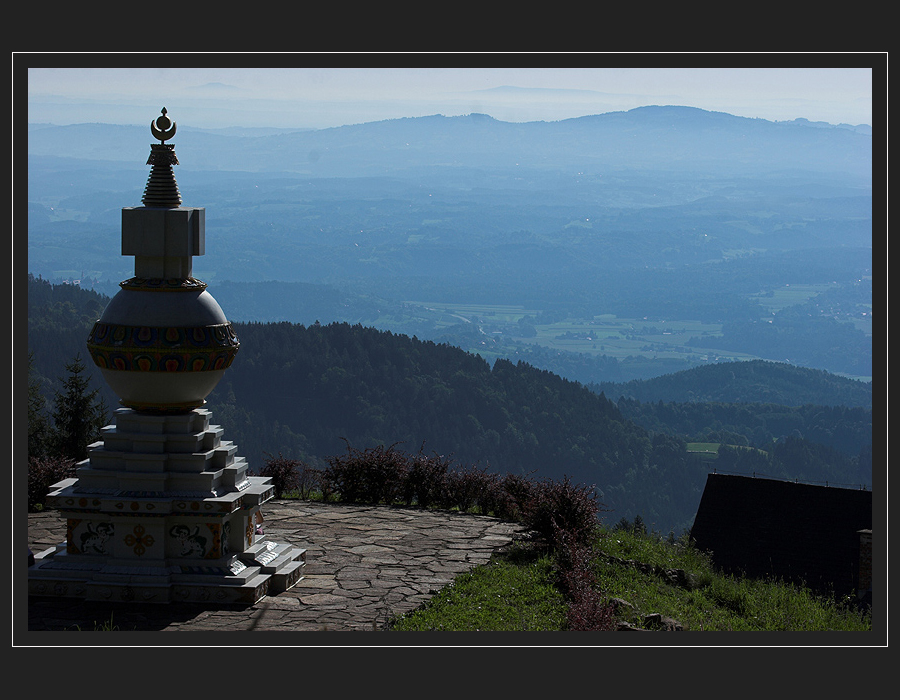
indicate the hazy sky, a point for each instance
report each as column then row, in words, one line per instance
column 325, row 97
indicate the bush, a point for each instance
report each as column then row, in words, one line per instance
column 373, row 475
column 472, row 487
column 43, row 472
column 490, row 495
column 588, row 609
column 563, row 514
column 513, row 495
column 310, row 481
column 556, row 507
column 284, row 473
column 425, row 482
column 589, row 612
column 466, row 487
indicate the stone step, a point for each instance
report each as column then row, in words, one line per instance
column 233, row 576
column 258, row 491
column 211, row 461
column 115, row 439
column 246, row 593
column 287, row 576
column 104, row 458
column 235, row 475
column 274, row 557
column 130, row 421
column 224, row 454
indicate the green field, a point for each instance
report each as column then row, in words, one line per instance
column 707, row 451
column 704, row 447
column 453, row 313
column 494, row 329
column 789, row 295
column 605, row 334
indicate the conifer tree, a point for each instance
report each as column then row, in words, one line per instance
column 77, row 415
column 38, row 426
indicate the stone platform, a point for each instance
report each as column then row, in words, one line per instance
column 364, row 564
column 163, row 510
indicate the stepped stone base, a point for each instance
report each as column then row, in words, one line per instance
column 163, row 510
column 53, row 576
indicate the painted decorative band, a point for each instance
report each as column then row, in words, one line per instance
column 162, row 409
column 158, row 284
column 151, row 349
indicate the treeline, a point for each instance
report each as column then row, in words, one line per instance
column 794, row 458
column 799, row 337
column 848, row 430
column 60, row 317
column 754, row 381
column 301, row 391
column 337, row 380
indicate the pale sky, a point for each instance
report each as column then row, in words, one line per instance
column 325, row 97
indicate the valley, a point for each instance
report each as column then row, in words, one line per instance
column 605, row 248
column 520, row 295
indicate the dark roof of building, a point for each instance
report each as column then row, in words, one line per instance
column 798, row 532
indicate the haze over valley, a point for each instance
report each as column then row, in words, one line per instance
column 605, row 248
column 630, row 298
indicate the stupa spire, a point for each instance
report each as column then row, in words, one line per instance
column 161, row 189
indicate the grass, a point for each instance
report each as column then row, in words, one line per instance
column 638, row 572
column 514, row 592
column 789, row 295
column 573, row 573
column 709, row 451
column 106, row 626
column 710, row 600
column 706, row 450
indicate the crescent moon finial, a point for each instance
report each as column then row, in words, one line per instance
column 162, row 127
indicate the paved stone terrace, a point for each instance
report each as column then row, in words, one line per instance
column 364, row 564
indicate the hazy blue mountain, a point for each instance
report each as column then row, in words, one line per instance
column 656, row 213
column 655, row 137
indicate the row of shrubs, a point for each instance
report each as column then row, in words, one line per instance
column 561, row 514
column 390, row 476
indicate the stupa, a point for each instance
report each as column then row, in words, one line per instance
column 163, row 509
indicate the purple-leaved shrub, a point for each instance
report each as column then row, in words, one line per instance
column 285, row 474
column 372, row 475
column 426, row 481
column 588, row 609
column 43, row 472
column 562, row 507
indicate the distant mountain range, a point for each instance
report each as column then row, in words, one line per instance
column 655, row 214
column 647, row 137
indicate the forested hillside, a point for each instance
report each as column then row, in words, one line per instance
column 301, row 390
column 754, row 381
column 59, row 318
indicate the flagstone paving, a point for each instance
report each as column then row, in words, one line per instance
column 364, row 565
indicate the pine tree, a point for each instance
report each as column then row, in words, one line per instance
column 38, row 426
column 77, row 415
